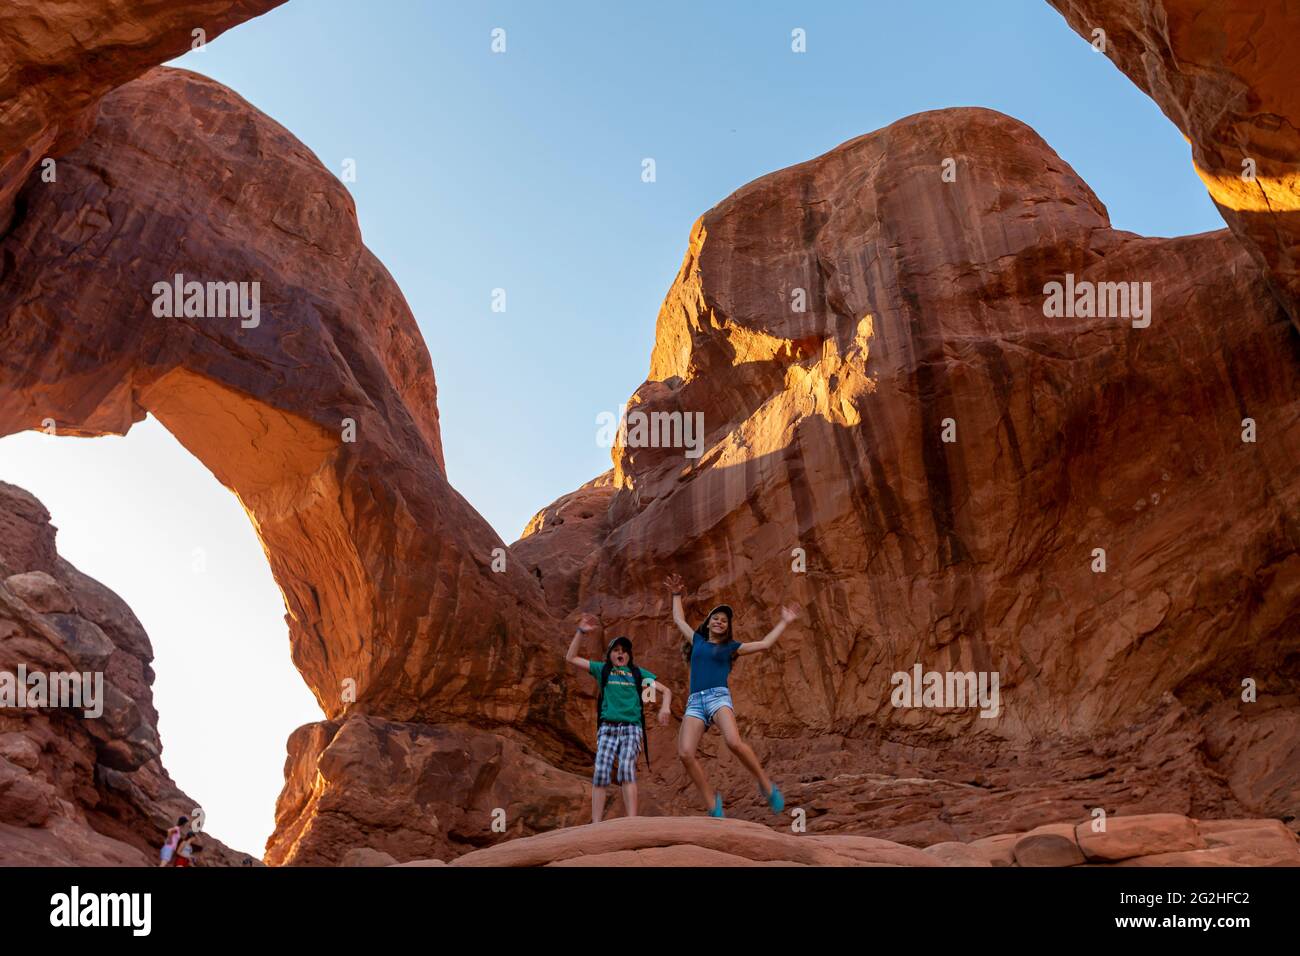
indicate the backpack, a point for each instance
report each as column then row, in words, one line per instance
column 600, row 702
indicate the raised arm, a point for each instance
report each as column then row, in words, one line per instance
column 674, row 584
column 788, row 614
column 586, row 624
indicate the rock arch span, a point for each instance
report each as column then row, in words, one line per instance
column 367, row 540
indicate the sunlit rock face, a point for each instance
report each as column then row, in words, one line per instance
column 58, row 59
column 1224, row 72
column 1074, row 436
column 81, row 784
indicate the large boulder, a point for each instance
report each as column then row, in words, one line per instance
column 1141, row 835
column 414, row 790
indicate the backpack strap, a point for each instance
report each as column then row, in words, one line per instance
column 645, row 740
column 600, row 698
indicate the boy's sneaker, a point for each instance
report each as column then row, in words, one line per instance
column 775, row 799
column 717, row 806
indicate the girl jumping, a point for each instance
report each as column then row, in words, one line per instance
column 710, row 650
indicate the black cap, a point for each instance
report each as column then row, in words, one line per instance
column 625, row 641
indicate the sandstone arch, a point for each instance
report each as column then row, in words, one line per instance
column 352, row 530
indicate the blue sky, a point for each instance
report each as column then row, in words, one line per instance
column 522, row 171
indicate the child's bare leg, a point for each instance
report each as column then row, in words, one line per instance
column 726, row 720
column 597, row 804
column 629, row 798
column 687, row 742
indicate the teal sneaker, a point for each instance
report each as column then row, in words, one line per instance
column 775, row 799
column 717, row 806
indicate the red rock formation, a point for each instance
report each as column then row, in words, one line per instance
column 57, row 60
column 414, row 790
column 76, row 789
column 922, row 312
column 1224, row 72
column 321, row 417
column 925, row 303
column 1154, row 840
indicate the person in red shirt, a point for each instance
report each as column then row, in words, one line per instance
column 189, row 846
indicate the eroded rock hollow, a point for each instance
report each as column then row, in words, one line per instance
column 898, row 433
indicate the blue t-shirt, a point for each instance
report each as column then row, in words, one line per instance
column 710, row 663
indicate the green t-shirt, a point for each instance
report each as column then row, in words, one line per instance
column 622, row 697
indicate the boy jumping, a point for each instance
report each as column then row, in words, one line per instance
column 620, row 730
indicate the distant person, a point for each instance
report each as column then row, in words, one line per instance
column 189, row 846
column 620, row 719
column 173, row 839
column 710, row 650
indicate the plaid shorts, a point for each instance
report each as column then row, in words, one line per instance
column 616, row 740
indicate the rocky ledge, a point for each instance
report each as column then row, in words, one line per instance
column 1154, row 839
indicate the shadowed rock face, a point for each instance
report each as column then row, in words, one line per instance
column 58, row 59
column 920, row 311
column 414, row 789
column 1224, row 72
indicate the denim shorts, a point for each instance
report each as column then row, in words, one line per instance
column 705, row 703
